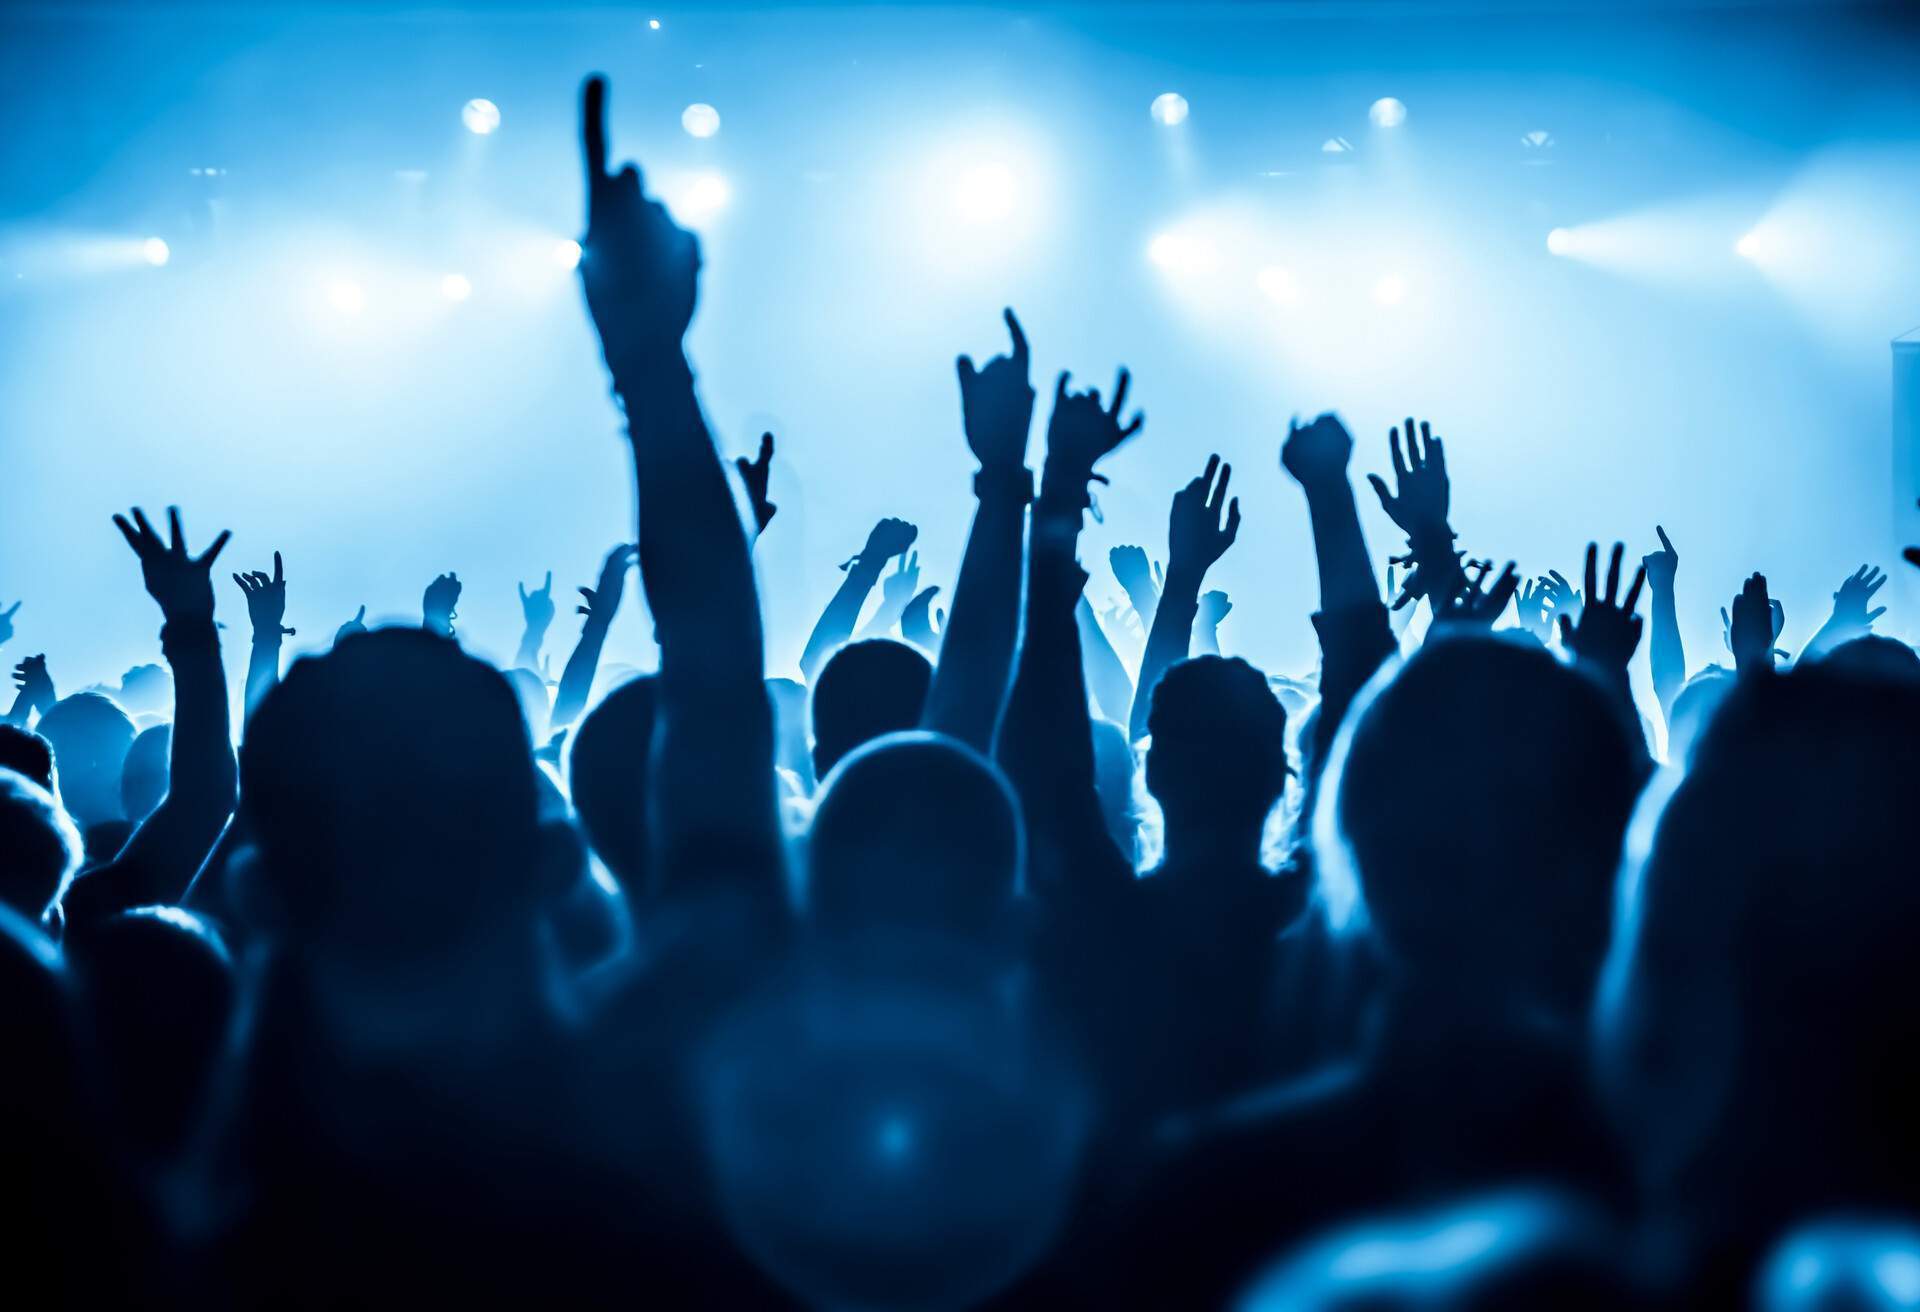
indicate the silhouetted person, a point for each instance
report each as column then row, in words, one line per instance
column 143, row 778
column 607, row 773
column 28, row 754
column 90, row 736
column 868, row 688
column 39, row 848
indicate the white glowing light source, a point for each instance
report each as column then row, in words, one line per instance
column 700, row 120
column 653, row 24
column 705, row 196
column 456, row 287
column 1390, row 289
column 1751, row 247
column 1559, row 241
column 1177, row 253
column 566, row 254
column 480, row 116
column 1169, row 109
column 1277, row 285
column 985, row 193
column 1387, row 112
column 1336, row 146
column 154, row 251
column 346, row 296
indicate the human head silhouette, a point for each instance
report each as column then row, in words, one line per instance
column 1758, row 1025
column 143, row 779
column 39, row 847
column 390, row 789
column 1482, row 794
column 607, row 773
column 914, row 830
column 1875, row 654
column 146, row 690
column 1218, row 762
column 26, row 753
column 90, row 736
column 868, row 688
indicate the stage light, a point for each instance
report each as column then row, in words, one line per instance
column 1277, row 285
column 653, row 24
column 1387, row 112
column 1181, row 254
column 154, row 251
column 1390, row 289
column 566, row 254
column 700, row 120
column 456, row 287
column 480, row 116
column 1751, row 247
column 1336, row 146
column 1559, row 241
column 702, row 197
column 985, row 193
column 1169, row 109
column 346, row 296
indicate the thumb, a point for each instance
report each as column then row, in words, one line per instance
column 964, row 367
column 1380, row 490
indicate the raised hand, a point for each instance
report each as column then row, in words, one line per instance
column 1750, row 630
column 1082, row 432
column 898, row 588
column 1531, row 602
column 1477, row 603
column 537, row 607
column 6, row 621
column 437, row 604
column 1317, row 453
column 1660, row 566
column 889, row 538
column 182, row 584
column 1850, row 602
column 640, row 270
column 358, row 624
column 996, row 404
column 1562, row 600
column 1607, row 633
column 1196, row 534
column 1421, row 478
column 266, row 601
column 755, row 474
column 1214, row 607
column 916, row 626
column 603, row 599
column 35, row 684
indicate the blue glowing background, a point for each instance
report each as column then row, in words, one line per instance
column 895, row 175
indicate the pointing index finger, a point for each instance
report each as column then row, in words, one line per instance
column 1019, row 338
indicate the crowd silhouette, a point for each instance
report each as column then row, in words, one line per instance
column 1025, row 955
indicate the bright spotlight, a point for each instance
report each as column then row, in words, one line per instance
column 653, row 24
column 1169, row 109
column 1751, row 246
column 1559, row 241
column 1277, row 285
column 700, row 120
column 566, row 254
column 985, row 193
column 456, row 287
column 1387, row 112
column 155, row 252
column 1177, row 253
column 1336, row 146
column 705, row 196
column 1390, row 289
column 480, row 116
column 346, row 296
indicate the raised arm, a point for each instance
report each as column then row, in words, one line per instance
column 599, row 605
column 1851, row 618
column 536, row 610
column 976, row 652
column 266, row 607
column 1355, row 637
column 1196, row 537
column 1106, row 674
column 159, row 861
column 1046, row 739
column 710, row 772
column 890, row 537
column 437, row 604
column 35, row 690
column 897, row 591
column 1419, row 506
column 755, row 475
column 1140, row 580
column 1215, row 606
column 1665, row 654
column 1608, row 630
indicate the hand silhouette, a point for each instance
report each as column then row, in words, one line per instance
column 6, row 621
column 1132, row 571
column 35, row 684
column 898, row 588
column 1477, row 603
column 1606, row 633
column 603, row 599
column 1750, row 630
column 889, row 538
column 1775, row 609
column 916, row 626
column 1196, row 537
column 640, row 270
column 182, row 584
column 1562, row 601
column 1317, row 453
column 996, row 404
column 537, row 607
column 1661, row 565
column 266, row 600
column 1850, row 602
column 1421, row 477
column 755, row 474
column 1081, row 432
column 358, row 624
column 1531, row 602
column 1214, row 607
column 437, row 604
